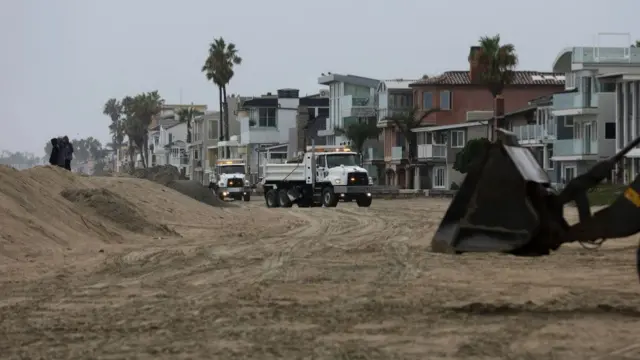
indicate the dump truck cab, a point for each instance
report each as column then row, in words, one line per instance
column 231, row 182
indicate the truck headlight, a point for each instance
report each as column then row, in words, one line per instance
column 246, row 182
column 337, row 181
column 370, row 180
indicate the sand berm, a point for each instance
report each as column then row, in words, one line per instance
column 47, row 213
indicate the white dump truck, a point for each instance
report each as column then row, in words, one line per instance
column 231, row 182
column 323, row 176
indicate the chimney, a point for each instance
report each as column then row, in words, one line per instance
column 474, row 71
column 302, row 127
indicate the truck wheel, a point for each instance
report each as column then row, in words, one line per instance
column 246, row 197
column 329, row 198
column 271, row 198
column 364, row 201
column 284, row 199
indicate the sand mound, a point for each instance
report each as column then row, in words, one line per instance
column 195, row 190
column 116, row 209
column 169, row 176
column 52, row 213
column 163, row 174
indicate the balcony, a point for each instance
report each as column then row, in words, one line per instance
column 575, row 147
column 358, row 106
column 535, row 132
column 575, row 101
column 373, row 154
column 611, row 55
column 384, row 114
column 397, row 154
column 432, row 151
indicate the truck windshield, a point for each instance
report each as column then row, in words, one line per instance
column 231, row 169
column 334, row 160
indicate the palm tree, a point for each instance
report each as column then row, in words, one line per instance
column 186, row 115
column 113, row 109
column 140, row 111
column 496, row 64
column 359, row 133
column 134, row 130
column 218, row 67
column 405, row 122
column 210, row 72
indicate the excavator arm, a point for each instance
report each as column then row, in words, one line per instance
column 620, row 219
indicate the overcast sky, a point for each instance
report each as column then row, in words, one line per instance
column 60, row 60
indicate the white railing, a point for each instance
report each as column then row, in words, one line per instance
column 571, row 147
column 534, row 132
column 426, row 151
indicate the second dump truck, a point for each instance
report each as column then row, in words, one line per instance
column 323, row 176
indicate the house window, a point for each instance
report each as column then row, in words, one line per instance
column 427, row 100
column 610, row 130
column 439, row 138
column 267, row 117
column 323, row 112
column 606, row 86
column 457, row 139
column 568, row 121
column 439, row 177
column 445, row 100
column 549, row 156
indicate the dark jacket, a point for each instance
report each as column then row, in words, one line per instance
column 68, row 151
column 55, row 152
column 62, row 152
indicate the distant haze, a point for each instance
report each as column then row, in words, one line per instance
column 62, row 59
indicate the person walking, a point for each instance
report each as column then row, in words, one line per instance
column 68, row 152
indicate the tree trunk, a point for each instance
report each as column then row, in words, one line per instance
column 220, row 121
column 221, row 135
column 226, row 118
column 146, row 150
column 498, row 115
column 132, row 162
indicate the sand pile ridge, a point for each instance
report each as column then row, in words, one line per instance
column 169, row 176
column 47, row 211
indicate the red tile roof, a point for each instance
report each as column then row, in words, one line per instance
column 520, row 78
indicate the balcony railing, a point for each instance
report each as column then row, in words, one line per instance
column 391, row 112
column 606, row 55
column 362, row 101
column 535, row 132
column 571, row 147
column 429, row 151
column 567, row 101
column 397, row 153
column 371, row 154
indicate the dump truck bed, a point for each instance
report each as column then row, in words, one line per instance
column 280, row 172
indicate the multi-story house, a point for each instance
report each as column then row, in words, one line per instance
column 612, row 74
column 461, row 97
column 168, row 145
column 437, row 151
column 268, row 125
column 598, row 108
column 392, row 97
column 203, row 146
column 351, row 99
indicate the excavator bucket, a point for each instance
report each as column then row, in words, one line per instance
column 495, row 208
